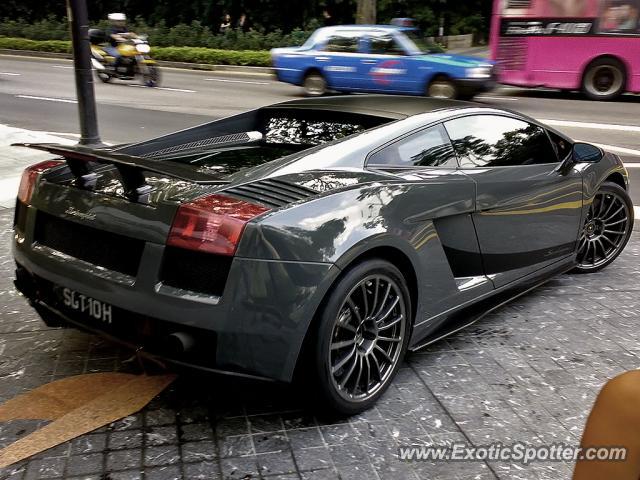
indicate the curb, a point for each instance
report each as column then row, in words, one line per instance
column 163, row 63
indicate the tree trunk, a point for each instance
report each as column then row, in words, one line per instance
column 366, row 13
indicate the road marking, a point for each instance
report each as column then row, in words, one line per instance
column 9, row 188
column 595, row 126
column 613, row 148
column 234, row 81
column 62, row 66
column 10, row 74
column 168, row 89
column 47, row 99
column 632, row 165
column 636, row 210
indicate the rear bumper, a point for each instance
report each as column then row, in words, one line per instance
column 255, row 329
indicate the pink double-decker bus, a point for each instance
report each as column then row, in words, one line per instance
column 588, row 45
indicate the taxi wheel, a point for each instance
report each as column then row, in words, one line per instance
column 442, row 87
column 314, row 84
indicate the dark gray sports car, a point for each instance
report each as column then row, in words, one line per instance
column 324, row 237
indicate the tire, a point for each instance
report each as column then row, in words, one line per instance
column 103, row 77
column 606, row 229
column 357, row 348
column 442, row 87
column 314, row 84
column 604, row 79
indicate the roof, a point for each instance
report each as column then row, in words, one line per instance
column 391, row 106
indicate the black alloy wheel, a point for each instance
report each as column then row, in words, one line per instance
column 607, row 228
column 363, row 336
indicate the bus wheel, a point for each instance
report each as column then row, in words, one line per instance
column 314, row 84
column 604, row 79
column 442, row 87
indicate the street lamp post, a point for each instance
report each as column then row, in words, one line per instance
column 79, row 24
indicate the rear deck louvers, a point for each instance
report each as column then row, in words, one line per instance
column 273, row 193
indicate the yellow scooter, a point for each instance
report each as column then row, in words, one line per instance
column 135, row 59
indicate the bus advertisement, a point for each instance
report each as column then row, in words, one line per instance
column 588, row 45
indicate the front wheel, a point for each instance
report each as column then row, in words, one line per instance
column 314, row 85
column 604, row 79
column 362, row 336
column 607, row 228
column 103, row 76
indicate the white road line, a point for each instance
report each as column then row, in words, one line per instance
column 10, row 74
column 235, row 81
column 636, row 210
column 9, row 188
column 62, row 66
column 632, row 165
column 47, row 99
column 595, row 126
column 614, row 149
column 168, row 89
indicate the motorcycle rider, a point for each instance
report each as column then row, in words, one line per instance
column 117, row 32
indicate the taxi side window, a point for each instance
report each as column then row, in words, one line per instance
column 342, row 43
column 385, row 45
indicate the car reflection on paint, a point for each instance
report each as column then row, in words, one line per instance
column 379, row 59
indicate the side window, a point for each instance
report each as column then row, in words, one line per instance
column 427, row 148
column 342, row 43
column 495, row 141
column 385, row 44
column 562, row 146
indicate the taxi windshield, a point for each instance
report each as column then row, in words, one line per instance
column 415, row 43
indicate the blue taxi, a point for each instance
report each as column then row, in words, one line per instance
column 380, row 59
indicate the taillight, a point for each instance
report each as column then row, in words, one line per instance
column 212, row 224
column 30, row 176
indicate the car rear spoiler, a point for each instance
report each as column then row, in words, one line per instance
column 81, row 162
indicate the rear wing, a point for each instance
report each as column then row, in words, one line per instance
column 82, row 162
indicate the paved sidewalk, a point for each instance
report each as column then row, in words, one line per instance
column 528, row 372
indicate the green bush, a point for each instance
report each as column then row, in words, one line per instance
column 182, row 35
column 175, row 54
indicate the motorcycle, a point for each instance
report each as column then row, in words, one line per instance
column 135, row 59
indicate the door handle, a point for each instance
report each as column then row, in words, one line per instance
column 368, row 62
column 322, row 59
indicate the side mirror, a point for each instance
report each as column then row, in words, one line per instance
column 586, row 153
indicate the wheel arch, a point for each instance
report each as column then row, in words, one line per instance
column 617, row 178
column 393, row 254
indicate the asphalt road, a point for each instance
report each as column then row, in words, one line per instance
column 39, row 94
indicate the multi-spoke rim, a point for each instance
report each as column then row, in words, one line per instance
column 367, row 337
column 605, row 230
column 442, row 89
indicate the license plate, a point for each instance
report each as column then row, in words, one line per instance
column 89, row 306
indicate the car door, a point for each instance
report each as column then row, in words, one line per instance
column 528, row 213
column 438, row 205
column 339, row 58
column 387, row 67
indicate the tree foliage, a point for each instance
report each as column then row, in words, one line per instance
column 267, row 15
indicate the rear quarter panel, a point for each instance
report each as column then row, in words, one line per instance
column 340, row 227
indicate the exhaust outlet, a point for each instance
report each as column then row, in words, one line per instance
column 179, row 343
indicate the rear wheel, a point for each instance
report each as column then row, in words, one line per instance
column 442, row 87
column 362, row 336
column 606, row 229
column 314, row 84
column 604, row 79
